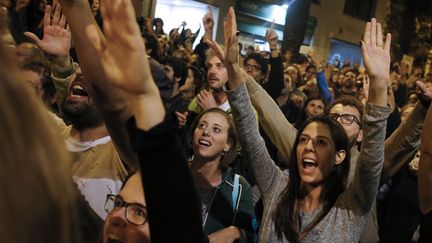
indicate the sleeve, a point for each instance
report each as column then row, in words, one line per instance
column 173, row 205
column 323, row 87
column 401, row 146
column 280, row 131
column 276, row 78
column 265, row 170
column 62, row 78
column 363, row 190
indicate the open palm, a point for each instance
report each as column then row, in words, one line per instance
column 376, row 54
column 122, row 52
column 57, row 39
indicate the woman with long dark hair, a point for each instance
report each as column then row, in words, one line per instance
column 311, row 204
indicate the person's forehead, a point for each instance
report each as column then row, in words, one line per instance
column 345, row 109
column 251, row 61
column 215, row 118
column 214, row 60
column 317, row 129
column 315, row 101
column 133, row 191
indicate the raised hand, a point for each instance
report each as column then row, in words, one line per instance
column 376, row 54
column 425, row 93
column 181, row 118
column 208, row 20
column 231, row 39
column 272, row 37
column 57, row 36
column 206, row 100
column 122, row 52
column 376, row 57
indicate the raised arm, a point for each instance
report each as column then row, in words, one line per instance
column 165, row 174
column 113, row 103
column 266, row 172
column 401, row 146
column 425, row 166
column 376, row 56
column 56, row 42
column 276, row 76
column 321, row 77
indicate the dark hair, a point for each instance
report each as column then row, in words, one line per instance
column 44, row 70
column 229, row 156
column 199, row 77
column 310, row 66
column 303, row 116
column 286, row 215
column 262, row 62
column 153, row 44
column 298, row 79
column 179, row 67
column 157, row 20
column 347, row 100
column 298, row 59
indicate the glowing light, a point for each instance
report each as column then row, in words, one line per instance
column 285, row 6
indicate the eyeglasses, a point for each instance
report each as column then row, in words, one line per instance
column 252, row 67
column 135, row 213
column 346, row 119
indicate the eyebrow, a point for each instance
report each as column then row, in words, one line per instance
column 135, row 203
column 319, row 136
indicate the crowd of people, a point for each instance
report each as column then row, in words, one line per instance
column 114, row 131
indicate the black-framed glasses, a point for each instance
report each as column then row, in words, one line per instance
column 135, row 213
column 347, row 119
column 252, row 67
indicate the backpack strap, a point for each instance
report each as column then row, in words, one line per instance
column 235, row 191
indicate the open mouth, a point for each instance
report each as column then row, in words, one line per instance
column 77, row 93
column 114, row 239
column 213, row 79
column 309, row 165
column 78, row 90
column 204, row 143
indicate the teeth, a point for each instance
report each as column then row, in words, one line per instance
column 309, row 161
column 204, row 142
column 78, row 87
column 114, row 237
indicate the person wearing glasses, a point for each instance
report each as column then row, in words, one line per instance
column 258, row 67
column 399, row 147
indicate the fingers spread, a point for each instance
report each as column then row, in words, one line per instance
column 379, row 35
column 32, row 36
column 47, row 16
column 367, row 34
column 373, row 37
column 387, row 42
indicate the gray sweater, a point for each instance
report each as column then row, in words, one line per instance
column 346, row 219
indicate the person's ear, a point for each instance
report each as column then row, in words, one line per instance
column 340, row 156
column 226, row 148
column 359, row 136
column 177, row 79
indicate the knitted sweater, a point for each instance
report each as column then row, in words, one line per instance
column 346, row 219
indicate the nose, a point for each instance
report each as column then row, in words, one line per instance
column 310, row 146
column 117, row 217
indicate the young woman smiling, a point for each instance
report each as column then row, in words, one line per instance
column 213, row 148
